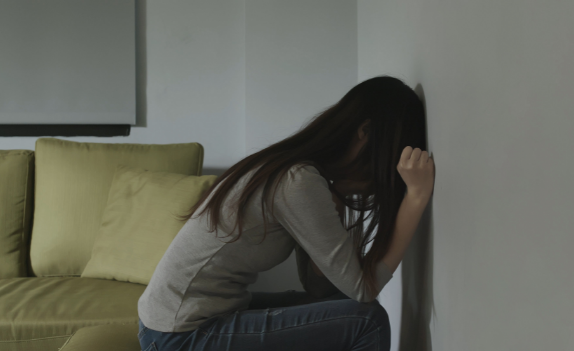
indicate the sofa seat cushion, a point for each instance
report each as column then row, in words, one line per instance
column 37, row 308
column 109, row 337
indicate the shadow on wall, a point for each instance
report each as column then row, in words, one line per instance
column 417, row 277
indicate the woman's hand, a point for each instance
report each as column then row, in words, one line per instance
column 417, row 170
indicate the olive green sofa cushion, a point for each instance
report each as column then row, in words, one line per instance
column 109, row 337
column 72, row 184
column 16, row 200
column 42, row 313
column 140, row 221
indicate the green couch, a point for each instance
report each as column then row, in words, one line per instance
column 51, row 204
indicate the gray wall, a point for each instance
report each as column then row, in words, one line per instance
column 491, row 269
column 67, row 62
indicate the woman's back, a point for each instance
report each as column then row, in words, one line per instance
column 200, row 276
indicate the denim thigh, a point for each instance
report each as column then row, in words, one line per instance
column 153, row 340
column 335, row 323
column 343, row 324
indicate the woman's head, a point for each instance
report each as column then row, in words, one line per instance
column 359, row 137
column 390, row 116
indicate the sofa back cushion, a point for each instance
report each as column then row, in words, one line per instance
column 72, row 184
column 16, row 200
column 140, row 222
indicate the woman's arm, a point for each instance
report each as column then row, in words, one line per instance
column 303, row 205
column 312, row 279
column 408, row 219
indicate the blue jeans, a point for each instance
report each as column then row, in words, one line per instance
column 290, row 320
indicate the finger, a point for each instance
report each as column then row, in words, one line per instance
column 406, row 154
column 424, row 157
column 416, row 155
column 407, row 151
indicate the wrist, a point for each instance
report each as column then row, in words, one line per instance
column 418, row 197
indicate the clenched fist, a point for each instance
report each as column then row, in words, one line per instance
column 417, row 170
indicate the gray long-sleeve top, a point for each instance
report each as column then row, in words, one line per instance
column 202, row 277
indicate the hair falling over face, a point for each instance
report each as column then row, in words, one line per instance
column 397, row 120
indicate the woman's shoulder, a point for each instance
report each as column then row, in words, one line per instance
column 305, row 167
column 305, row 173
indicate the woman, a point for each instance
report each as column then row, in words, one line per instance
column 313, row 192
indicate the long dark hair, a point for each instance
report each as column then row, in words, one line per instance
column 397, row 120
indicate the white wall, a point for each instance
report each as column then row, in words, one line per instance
column 301, row 58
column 497, row 79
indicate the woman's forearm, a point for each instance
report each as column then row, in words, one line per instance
column 408, row 218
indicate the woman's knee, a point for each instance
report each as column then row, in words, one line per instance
column 379, row 314
column 373, row 311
